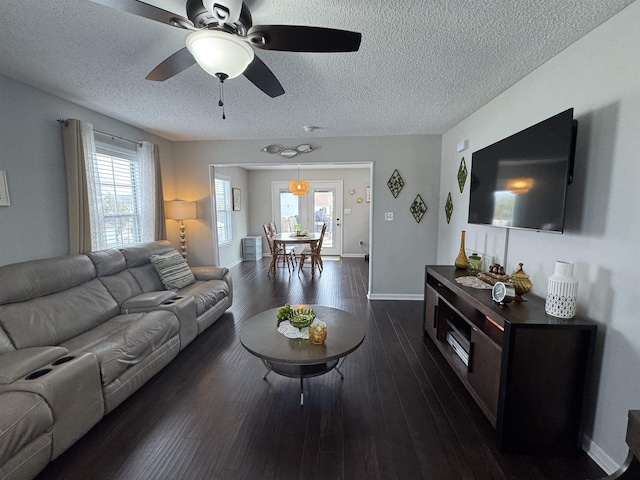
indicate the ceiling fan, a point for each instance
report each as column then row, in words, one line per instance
column 223, row 36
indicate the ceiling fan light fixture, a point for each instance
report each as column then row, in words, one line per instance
column 220, row 52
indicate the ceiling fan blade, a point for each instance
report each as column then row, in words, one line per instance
column 176, row 63
column 296, row 38
column 147, row 11
column 263, row 78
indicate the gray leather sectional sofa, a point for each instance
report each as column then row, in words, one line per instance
column 79, row 334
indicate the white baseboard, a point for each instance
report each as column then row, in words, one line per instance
column 353, row 255
column 604, row 461
column 395, row 296
column 237, row 262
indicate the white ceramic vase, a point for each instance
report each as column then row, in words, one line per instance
column 562, row 291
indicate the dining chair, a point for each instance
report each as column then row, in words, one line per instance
column 314, row 253
column 290, row 250
column 279, row 252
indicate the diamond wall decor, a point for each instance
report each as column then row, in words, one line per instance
column 448, row 208
column 395, row 183
column 462, row 174
column 418, row 208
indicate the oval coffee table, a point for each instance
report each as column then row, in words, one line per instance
column 297, row 357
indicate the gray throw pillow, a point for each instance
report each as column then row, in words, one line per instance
column 173, row 270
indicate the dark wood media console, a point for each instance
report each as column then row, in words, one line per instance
column 527, row 370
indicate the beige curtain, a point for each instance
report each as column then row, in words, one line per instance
column 160, row 230
column 77, row 195
column 79, row 148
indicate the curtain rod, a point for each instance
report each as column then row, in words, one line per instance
column 64, row 122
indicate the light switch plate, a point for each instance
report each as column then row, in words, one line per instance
column 388, row 216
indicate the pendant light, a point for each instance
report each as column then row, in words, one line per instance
column 299, row 187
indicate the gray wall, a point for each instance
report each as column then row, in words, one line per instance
column 232, row 253
column 36, row 223
column 399, row 249
column 598, row 76
column 255, row 186
column 355, row 224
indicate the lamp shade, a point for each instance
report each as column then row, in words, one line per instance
column 299, row 187
column 180, row 210
column 220, row 52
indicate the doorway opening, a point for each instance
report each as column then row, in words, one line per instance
column 335, row 198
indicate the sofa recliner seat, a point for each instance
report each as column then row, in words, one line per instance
column 25, row 434
column 81, row 333
column 67, row 305
column 212, row 290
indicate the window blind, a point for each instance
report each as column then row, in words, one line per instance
column 223, row 208
column 117, row 177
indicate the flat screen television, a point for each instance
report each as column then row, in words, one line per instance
column 521, row 181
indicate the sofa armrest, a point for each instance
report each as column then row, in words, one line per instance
column 73, row 392
column 183, row 307
column 146, row 301
column 209, row 273
column 214, row 273
column 19, row 363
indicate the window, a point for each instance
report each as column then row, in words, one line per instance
column 119, row 180
column 223, row 208
column 289, row 210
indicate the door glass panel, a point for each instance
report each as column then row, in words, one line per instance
column 323, row 208
column 289, row 211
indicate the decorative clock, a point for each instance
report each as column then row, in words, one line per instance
column 503, row 293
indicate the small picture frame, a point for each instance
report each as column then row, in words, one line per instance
column 236, row 199
column 4, row 190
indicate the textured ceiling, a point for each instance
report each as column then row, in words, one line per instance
column 422, row 66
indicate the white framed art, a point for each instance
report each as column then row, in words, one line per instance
column 4, row 190
column 236, row 199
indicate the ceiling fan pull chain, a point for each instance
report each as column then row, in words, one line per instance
column 221, row 94
column 222, row 77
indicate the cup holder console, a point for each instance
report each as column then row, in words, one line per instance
column 62, row 360
column 172, row 301
column 38, row 373
column 44, row 371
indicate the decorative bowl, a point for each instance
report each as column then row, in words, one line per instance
column 302, row 317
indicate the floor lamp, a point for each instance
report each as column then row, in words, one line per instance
column 181, row 210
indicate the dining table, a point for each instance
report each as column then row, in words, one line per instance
column 289, row 238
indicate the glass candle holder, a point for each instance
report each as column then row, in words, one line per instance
column 318, row 332
column 475, row 264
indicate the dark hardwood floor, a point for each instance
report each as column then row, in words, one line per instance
column 399, row 413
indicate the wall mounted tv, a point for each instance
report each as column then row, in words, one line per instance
column 521, row 181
